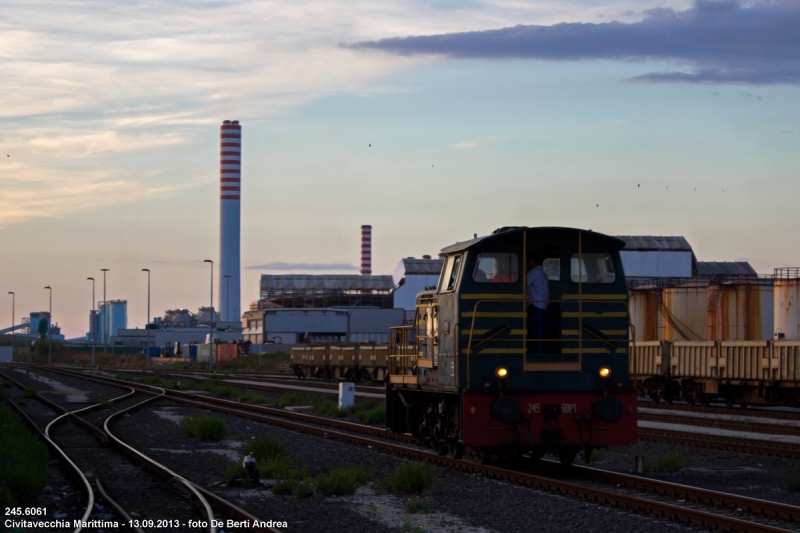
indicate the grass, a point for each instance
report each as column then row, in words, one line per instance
column 252, row 397
column 342, row 481
column 419, row 505
column 272, row 461
column 205, row 428
column 234, row 471
column 792, row 482
column 23, row 462
column 338, row 482
column 107, row 404
column 369, row 411
column 411, row 478
column 597, row 455
column 666, row 464
column 27, row 394
column 6, row 384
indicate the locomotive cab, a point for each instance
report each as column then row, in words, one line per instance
column 498, row 367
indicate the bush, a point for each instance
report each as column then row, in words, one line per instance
column 419, row 505
column 252, row 397
column 411, row 478
column 292, row 398
column 304, row 489
column 271, row 459
column 669, row 463
column 27, row 394
column 793, row 482
column 224, row 392
column 234, row 471
column 341, row 481
column 107, row 404
column 206, row 428
column 284, row 487
column 23, row 462
column 375, row 415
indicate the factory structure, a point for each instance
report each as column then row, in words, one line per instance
column 673, row 296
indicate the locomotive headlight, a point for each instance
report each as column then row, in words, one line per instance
column 604, row 372
column 501, row 372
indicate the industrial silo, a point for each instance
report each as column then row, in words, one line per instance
column 787, row 303
column 643, row 302
column 684, row 310
column 741, row 310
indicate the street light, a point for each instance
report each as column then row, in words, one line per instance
column 94, row 316
column 147, row 325
column 211, row 321
column 13, row 337
column 227, row 297
column 106, row 338
column 49, row 327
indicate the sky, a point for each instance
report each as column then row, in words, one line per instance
column 431, row 121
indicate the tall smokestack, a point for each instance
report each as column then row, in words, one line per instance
column 366, row 250
column 230, row 165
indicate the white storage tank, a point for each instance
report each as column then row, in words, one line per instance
column 787, row 303
column 741, row 310
column 684, row 312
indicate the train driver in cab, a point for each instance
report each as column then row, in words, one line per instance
column 538, row 295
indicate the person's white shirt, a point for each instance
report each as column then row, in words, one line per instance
column 538, row 287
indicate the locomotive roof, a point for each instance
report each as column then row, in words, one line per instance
column 504, row 232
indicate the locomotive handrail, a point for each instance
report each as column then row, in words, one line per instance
column 593, row 298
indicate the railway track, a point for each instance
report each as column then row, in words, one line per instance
column 162, row 497
column 721, row 423
column 764, row 516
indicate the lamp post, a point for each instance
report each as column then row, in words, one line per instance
column 147, row 325
column 94, row 333
column 106, row 338
column 227, row 297
column 211, row 321
column 49, row 327
column 13, row 337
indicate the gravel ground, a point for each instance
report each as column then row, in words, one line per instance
column 457, row 502
column 462, row 501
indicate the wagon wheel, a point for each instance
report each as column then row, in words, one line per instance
column 668, row 397
column 484, row 455
column 455, row 450
column 742, row 405
column 705, row 399
column 566, row 455
column 365, row 375
column 729, row 402
column 655, row 396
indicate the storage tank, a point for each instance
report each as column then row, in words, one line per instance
column 643, row 304
column 741, row 310
column 684, row 311
column 787, row 303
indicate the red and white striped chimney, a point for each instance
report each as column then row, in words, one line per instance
column 366, row 250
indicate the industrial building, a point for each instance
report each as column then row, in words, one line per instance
column 110, row 317
column 296, row 326
column 412, row 276
column 326, row 290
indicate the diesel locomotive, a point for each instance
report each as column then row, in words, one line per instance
column 473, row 374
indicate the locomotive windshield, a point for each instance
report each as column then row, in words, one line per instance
column 496, row 267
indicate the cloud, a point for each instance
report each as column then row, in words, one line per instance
column 480, row 141
column 303, row 266
column 712, row 42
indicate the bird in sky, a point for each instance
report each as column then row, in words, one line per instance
column 370, row 146
column 639, row 185
column 598, row 205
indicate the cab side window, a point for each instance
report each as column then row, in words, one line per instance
column 594, row 268
column 496, row 267
column 450, row 273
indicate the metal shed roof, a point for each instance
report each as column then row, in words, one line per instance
column 725, row 268
column 652, row 243
column 344, row 282
column 415, row 266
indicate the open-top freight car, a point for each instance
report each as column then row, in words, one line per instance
column 471, row 374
